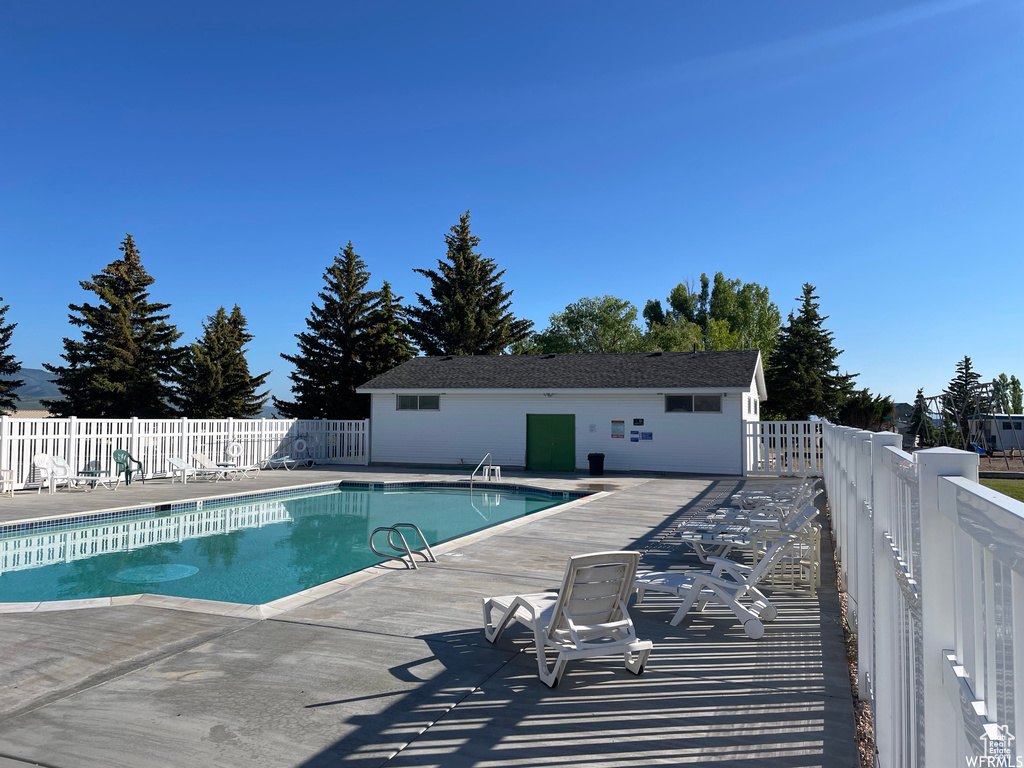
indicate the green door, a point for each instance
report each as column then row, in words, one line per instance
column 551, row 442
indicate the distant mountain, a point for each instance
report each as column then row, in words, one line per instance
column 39, row 386
column 38, row 383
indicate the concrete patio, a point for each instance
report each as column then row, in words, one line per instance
column 394, row 670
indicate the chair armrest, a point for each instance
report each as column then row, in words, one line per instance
column 723, row 564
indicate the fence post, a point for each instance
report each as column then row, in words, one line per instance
column 863, row 576
column 938, row 593
column 875, row 648
column 72, row 453
column 183, row 450
column 6, row 443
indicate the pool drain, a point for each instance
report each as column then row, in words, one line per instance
column 152, row 574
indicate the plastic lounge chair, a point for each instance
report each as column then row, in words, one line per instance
column 586, row 617
column 281, row 461
column 718, row 540
column 204, row 462
column 728, row 583
column 128, row 465
column 185, row 470
column 54, row 471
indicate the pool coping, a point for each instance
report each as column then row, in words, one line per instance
column 281, row 605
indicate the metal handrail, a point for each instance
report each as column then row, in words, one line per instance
column 486, row 458
column 392, row 530
column 429, row 556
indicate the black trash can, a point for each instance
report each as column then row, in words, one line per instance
column 596, row 464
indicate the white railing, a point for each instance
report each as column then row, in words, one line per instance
column 782, row 448
column 933, row 565
column 90, row 443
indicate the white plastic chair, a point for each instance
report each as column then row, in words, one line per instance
column 186, row 470
column 728, row 583
column 587, row 617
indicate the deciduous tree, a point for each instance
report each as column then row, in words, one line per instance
column 9, row 366
column 468, row 311
column 125, row 361
column 599, row 324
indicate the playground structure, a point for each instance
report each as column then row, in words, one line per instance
column 980, row 423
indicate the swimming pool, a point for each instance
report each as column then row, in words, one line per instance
column 248, row 552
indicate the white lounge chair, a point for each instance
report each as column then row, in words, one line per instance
column 234, row 471
column 185, row 470
column 728, row 583
column 586, row 617
column 288, row 462
column 54, row 471
column 717, row 539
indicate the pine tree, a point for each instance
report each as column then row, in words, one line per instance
column 959, row 401
column 468, row 309
column 214, row 380
column 1016, row 395
column 126, row 359
column 388, row 343
column 804, row 379
column 332, row 357
column 920, row 423
column 9, row 367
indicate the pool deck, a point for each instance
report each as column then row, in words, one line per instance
column 394, row 670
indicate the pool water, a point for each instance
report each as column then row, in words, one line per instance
column 243, row 553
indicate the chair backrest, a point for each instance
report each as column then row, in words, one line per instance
column 776, row 552
column 179, row 464
column 43, row 462
column 799, row 519
column 594, row 593
column 60, row 466
column 121, row 459
column 203, row 461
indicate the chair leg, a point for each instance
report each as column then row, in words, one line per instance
column 689, row 599
column 493, row 631
column 637, row 662
column 549, row 675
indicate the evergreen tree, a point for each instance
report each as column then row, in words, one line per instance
column 468, row 309
column 1016, row 395
column 333, row 357
column 214, row 380
column 9, row 367
column 126, row 359
column 959, row 402
column 804, row 379
column 388, row 334
column 920, row 423
column 1001, row 394
column 863, row 410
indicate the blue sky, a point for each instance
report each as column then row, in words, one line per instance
column 873, row 149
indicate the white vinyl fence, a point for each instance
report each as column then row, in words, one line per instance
column 782, row 448
column 933, row 564
column 90, row 443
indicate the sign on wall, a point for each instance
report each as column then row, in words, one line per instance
column 618, row 428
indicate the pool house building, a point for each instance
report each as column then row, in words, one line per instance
column 656, row 411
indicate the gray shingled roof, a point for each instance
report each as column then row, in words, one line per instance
column 644, row 370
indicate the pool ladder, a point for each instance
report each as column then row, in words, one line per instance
column 406, row 552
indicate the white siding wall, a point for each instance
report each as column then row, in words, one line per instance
column 751, row 412
column 470, row 425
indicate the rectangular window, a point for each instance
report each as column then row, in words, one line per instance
column 1006, row 425
column 678, row 403
column 693, row 403
column 1019, row 426
column 418, row 402
column 707, row 403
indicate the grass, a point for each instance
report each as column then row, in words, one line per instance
column 1012, row 488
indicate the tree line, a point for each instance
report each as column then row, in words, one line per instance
column 126, row 360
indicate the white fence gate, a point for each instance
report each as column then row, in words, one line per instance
column 782, row 448
column 90, row 443
column 933, row 564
